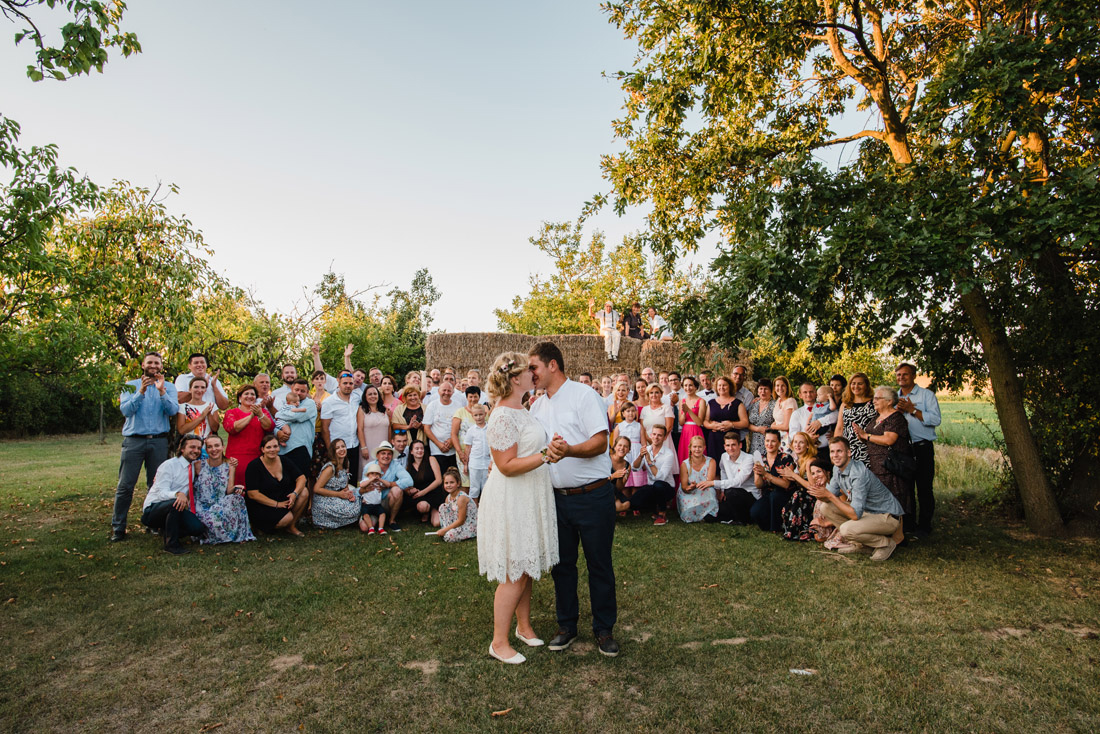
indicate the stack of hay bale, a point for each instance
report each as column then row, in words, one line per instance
column 582, row 352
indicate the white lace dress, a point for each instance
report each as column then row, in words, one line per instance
column 517, row 520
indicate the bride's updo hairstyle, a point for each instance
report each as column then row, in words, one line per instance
column 506, row 366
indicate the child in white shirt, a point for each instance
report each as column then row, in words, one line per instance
column 478, row 448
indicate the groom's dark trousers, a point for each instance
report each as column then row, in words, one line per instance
column 589, row 519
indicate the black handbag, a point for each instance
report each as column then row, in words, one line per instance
column 903, row 465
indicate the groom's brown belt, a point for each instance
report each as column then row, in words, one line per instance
column 581, row 490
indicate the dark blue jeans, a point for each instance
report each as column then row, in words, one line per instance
column 736, row 506
column 174, row 522
column 767, row 512
column 587, row 519
column 136, row 451
column 652, row 497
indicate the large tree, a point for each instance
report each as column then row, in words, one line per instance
column 964, row 219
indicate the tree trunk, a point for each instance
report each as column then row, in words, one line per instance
column 1040, row 507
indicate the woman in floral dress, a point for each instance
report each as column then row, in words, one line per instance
column 217, row 498
column 798, row 513
column 761, row 415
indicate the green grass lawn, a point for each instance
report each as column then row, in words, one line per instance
column 981, row 628
column 969, row 422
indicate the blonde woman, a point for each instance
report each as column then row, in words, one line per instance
column 857, row 411
column 785, row 405
column 517, row 537
column 798, row 513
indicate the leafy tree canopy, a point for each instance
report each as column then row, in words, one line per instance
column 964, row 220
column 583, row 270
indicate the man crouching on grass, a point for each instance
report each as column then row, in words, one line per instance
column 168, row 505
column 871, row 514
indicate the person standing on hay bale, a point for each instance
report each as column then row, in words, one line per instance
column 585, row 496
column 608, row 321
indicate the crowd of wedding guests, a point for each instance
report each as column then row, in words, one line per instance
column 845, row 464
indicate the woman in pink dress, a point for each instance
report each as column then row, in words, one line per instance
column 693, row 411
column 246, row 425
column 374, row 425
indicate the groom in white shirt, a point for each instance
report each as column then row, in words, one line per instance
column 575, row 418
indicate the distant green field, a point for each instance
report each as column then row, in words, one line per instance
column 971, row 423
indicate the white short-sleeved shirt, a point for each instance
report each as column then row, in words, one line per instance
column 608, row 320
column 183, row 384
column 576, row 412
column 344, row 417
column 437, row 416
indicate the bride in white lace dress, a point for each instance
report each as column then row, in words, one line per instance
column 517, row 537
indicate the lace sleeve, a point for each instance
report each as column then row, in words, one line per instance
column 502, row 432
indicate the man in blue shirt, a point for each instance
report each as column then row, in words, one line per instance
column 922, row 413
column 297, row 414
column 870, row 515
column 394, row 476
column 148, row 405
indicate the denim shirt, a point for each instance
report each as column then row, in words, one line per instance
column 867, row 493
column 148, row 413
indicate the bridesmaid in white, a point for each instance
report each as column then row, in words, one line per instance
column 517, row 537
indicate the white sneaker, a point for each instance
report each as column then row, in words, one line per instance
column 884, row 552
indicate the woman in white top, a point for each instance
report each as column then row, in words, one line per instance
column 198, row 416
column 785, row 405
column 659, row 413
column 517, row 537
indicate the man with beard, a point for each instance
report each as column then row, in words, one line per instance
column 148, row 405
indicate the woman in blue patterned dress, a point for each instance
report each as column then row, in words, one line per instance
column 218, row 499
column 335, row 496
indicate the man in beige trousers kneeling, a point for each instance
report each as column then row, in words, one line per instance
column 870, row 516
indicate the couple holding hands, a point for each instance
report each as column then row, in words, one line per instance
column 548, row 492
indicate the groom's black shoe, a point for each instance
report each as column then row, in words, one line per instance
column 562, row 640
column 607, row 644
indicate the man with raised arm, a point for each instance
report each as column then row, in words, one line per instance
column 608, row 322
column 576, row 419
column 332, row 384
column 148, row 404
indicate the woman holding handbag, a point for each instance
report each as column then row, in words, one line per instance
column 887, row 440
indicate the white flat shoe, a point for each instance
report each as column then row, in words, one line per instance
column 514, row 660
column 530, row 641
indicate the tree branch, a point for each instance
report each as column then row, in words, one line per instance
column 876, row 134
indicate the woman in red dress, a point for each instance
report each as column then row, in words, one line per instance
column 246, row 425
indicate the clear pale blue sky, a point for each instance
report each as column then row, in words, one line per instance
column 379, row 137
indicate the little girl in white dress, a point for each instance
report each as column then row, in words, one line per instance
column 632, row 429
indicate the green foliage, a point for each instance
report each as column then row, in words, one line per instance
column 94, row 27
column 35, row 404
column 90, row 300
column 800, row 364
column 390, row 336
column 558, row 304
column 970, row 198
